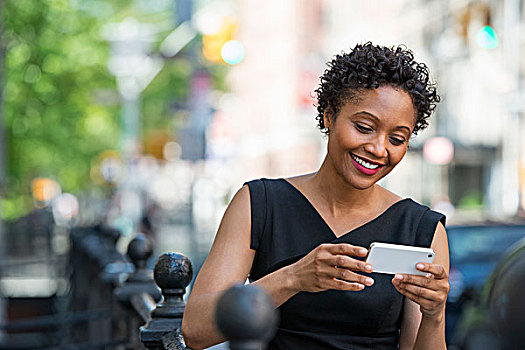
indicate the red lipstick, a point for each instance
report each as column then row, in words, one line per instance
column 363, row 169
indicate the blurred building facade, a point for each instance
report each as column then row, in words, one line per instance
column 273, row 118
column 473, row 51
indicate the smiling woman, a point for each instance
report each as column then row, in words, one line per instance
column 370, row 135
column 303, row 239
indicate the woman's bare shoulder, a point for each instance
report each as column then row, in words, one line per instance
column 388, row 196
column 300, row 180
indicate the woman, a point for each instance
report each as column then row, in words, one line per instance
column 304, row 239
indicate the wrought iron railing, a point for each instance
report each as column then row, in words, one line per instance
column 116, row 301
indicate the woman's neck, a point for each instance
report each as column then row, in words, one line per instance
column 338, row 194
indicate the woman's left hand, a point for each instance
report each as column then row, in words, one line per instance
column 429, row 291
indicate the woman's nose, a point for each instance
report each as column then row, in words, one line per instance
column 377, row 147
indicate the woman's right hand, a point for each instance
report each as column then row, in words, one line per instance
column 331, row 266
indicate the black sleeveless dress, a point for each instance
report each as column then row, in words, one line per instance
column 286, row 227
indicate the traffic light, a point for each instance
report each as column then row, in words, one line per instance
column 220, row 47
column 487, row 38
column 476, row 18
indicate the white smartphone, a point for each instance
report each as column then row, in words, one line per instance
column 396, row 258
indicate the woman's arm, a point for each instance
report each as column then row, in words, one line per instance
column 423, row 324
column 230, row 261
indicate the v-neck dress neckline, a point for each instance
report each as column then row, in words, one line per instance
column 335, row 236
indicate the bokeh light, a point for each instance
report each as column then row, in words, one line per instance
column 65, row 207
column 44, row 190
column 232, row 52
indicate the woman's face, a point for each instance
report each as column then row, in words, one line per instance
column 370, row 135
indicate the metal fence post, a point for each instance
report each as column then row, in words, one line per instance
column 246, row 316
column 173, row 273
column 139, row 293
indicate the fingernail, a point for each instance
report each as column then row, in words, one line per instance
column 369, row 281
column 360, row 286
column 368, row 267
column 398, row 277
column 363, row 251
column 420, row 266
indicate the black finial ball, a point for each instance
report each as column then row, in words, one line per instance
column 246, row 313
column 173, row 271
column 140, row 248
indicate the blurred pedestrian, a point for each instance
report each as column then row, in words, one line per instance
column 304, row 239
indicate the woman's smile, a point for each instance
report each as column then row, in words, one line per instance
column 364, row 165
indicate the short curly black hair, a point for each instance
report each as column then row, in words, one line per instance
column 369, row 66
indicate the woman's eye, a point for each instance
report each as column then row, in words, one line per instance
column 363, row 129
column 397, row 141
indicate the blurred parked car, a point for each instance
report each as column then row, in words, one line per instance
column 496, row 320
column 475, row 251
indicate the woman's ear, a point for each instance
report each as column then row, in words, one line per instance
column 328, row 117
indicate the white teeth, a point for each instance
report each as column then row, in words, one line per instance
column 365, row 164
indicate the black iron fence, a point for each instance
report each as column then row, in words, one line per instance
column 110, row 300
column 94, row 296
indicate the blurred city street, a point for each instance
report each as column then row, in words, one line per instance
column 142, row 118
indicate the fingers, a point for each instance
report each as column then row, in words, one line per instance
column 325, row 272
column 430, row 291
column 414, row 296
column 416, row 290
column 340, row 255
column 425, row 282
column 348, row 263
column 344, row 285
column 347, row 275
column 347, row 249
column 422, row 281
column 438, row 271
column 430, row 301
column 334, row 267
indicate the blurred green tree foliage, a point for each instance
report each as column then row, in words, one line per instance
column 60, row 104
